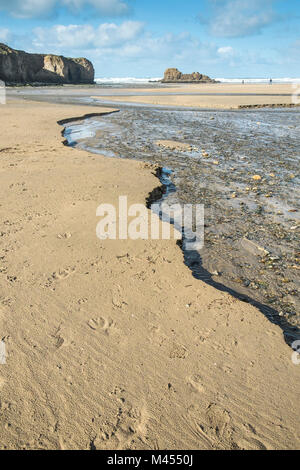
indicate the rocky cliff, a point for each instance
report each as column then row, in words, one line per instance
column 175, row 76
column 19, row 67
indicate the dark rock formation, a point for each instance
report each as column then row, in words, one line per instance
column 175, row 76
column 19, row 67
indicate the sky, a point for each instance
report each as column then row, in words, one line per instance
column 141, row 38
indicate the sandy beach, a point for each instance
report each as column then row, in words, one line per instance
column 212, row 96
column 114, row 344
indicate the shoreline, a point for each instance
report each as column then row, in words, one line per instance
column 248, row 275
column 211, row 96
column 159, row 101
column 193, row 260
column 203, row 97
column 98, row 312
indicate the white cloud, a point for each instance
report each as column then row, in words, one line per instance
column 106, row 35
column 238, row 18
column 226, row 51
column 60, row 36
column 111, row 45
column 27, row 8
column 128, row 48
column 109, row 34
column 5, row 35
column 127, row 41
column 42, row 8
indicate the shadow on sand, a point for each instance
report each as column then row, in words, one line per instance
column 193, row 260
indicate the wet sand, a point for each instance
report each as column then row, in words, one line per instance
column 210, row 96
column 243, row 166
column 114, row 344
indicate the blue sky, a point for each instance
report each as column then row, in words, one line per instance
column 123, row 38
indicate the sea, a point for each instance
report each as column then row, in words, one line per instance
column 142, row 81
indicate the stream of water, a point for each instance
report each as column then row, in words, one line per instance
column 251, row 226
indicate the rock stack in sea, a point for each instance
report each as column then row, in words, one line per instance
column 19, row 67
column 175, row 76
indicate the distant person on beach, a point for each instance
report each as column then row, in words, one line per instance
column 271, row 81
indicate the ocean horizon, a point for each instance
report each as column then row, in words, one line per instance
column 136, row 80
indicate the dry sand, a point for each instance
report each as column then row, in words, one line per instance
column 113, row 344
column 238, row 95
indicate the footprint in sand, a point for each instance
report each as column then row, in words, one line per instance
column 219, row 430
column 219, row 422
column 60, row 342
column 178, row 351
column 212, row 425
column 156, row 336
column 250, row 443
column 63, row 273
column 7, row 301
column 247, row 439
column 58, row 339
column 127, row 430
column 102, row 324
column 96, row 323
column 195, row 383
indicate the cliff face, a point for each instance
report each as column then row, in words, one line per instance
column 175, row 76
column 19, row 67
